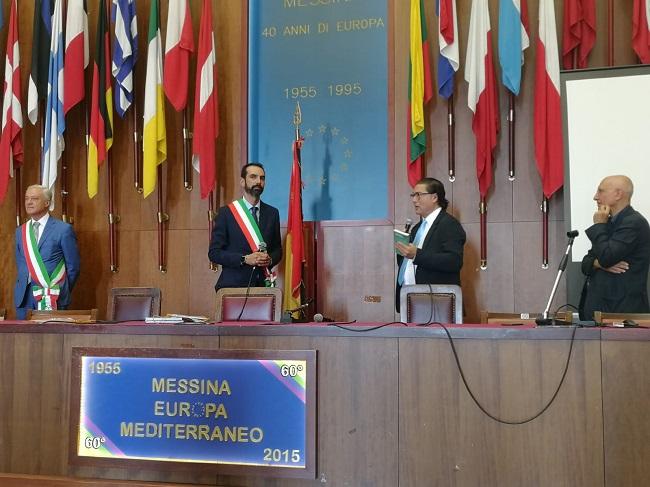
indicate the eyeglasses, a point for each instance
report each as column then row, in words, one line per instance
column 417, row 195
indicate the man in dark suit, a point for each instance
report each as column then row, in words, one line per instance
column 239, row 232
column 616, row 266
column 47, row 257
column 435, row 252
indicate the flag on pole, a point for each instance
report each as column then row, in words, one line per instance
column 549, row 151
column 178, row 46
column 482, row 91
column 641, row 30
column 155, row 137
column 449, row 59
column 294, row 254
column 11, row 145
column 37, row 90
column 513, row 41
column 53, row 142
column 206, row 113
column 420, row 92
column 76, row 53
column 101, row 104
column 579, row 31
column 125, row 52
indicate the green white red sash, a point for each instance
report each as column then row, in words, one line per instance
column 45, row 287
column 251, row 231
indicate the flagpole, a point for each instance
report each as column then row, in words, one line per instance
column 483, row 213
column 610, row 33
column 187, row 158
column 64, row 165
column 162, row 218
column 137, row 149
column 451, row 138
column 19, row 196
column 511, row 136
column 544, row 208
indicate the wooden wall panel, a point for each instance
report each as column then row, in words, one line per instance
column 513, row 380
column 625, row 453
column 187, row 286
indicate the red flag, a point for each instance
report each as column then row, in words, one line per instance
column 549, row 151
column 11, row 146
column 294, row 254
column 178, row 46
column 206, row 111
column 76, row 54
column 482, row 92
column 641, row 30
column 579, row 31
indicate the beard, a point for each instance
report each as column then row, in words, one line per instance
column 255, row 191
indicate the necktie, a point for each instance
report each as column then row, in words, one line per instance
column 416, row 241
column 254, row 210
column 35, row 226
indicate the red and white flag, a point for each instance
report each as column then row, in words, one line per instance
column 549, row 151
column 641, row 30
column 482, row 91
column 76, row 54
column 178, row 46
column 206, row 121
column 11, row 145
column 579, row 32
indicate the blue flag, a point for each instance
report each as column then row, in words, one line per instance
column 513, row 39
column 125, row 52
column 53, row 143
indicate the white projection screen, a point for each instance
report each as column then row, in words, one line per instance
column 606, row 115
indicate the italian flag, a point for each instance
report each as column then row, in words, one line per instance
column 154, row 136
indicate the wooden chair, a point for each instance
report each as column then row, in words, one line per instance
column 71, row 315
column 517, row 318
column 424, row 303
column 263, row 304
column 619, row 318
column 133, row 303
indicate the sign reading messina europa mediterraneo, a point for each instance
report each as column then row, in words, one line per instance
column 235, row 410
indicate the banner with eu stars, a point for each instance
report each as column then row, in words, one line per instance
column 217, row 407
column 330, row 56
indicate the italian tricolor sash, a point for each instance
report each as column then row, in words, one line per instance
column 251, row 231
column 46, row 288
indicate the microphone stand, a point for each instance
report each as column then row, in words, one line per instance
column 545, row 320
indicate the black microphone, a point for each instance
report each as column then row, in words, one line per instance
column 302, row 306
column 572, row 233
column 407, row 227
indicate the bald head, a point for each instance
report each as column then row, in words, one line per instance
column 615, row 192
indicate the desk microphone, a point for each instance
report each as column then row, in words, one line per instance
column 407, row 227
column 261, row 248
column 319, row 318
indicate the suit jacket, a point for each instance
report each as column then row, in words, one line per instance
column 626, row 238
column 228, row 244
column 58, row 241
column 441, row 257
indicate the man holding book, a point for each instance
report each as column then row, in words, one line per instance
column 434, row 254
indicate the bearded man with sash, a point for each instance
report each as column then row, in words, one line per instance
column 246, row 240
column 47, row 257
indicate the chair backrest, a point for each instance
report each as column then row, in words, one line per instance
column 517, row 318
column 424, row 303
column 263, row 304
column 71, row 315
column 3, row 313
column 611, row 318
column 133, row 303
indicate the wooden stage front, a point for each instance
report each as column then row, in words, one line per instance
column 392, row 409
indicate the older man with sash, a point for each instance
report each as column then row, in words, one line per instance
column 47, row 257
column 246, row 236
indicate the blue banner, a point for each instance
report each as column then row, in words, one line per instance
column 330, row 56
column 229, row 411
